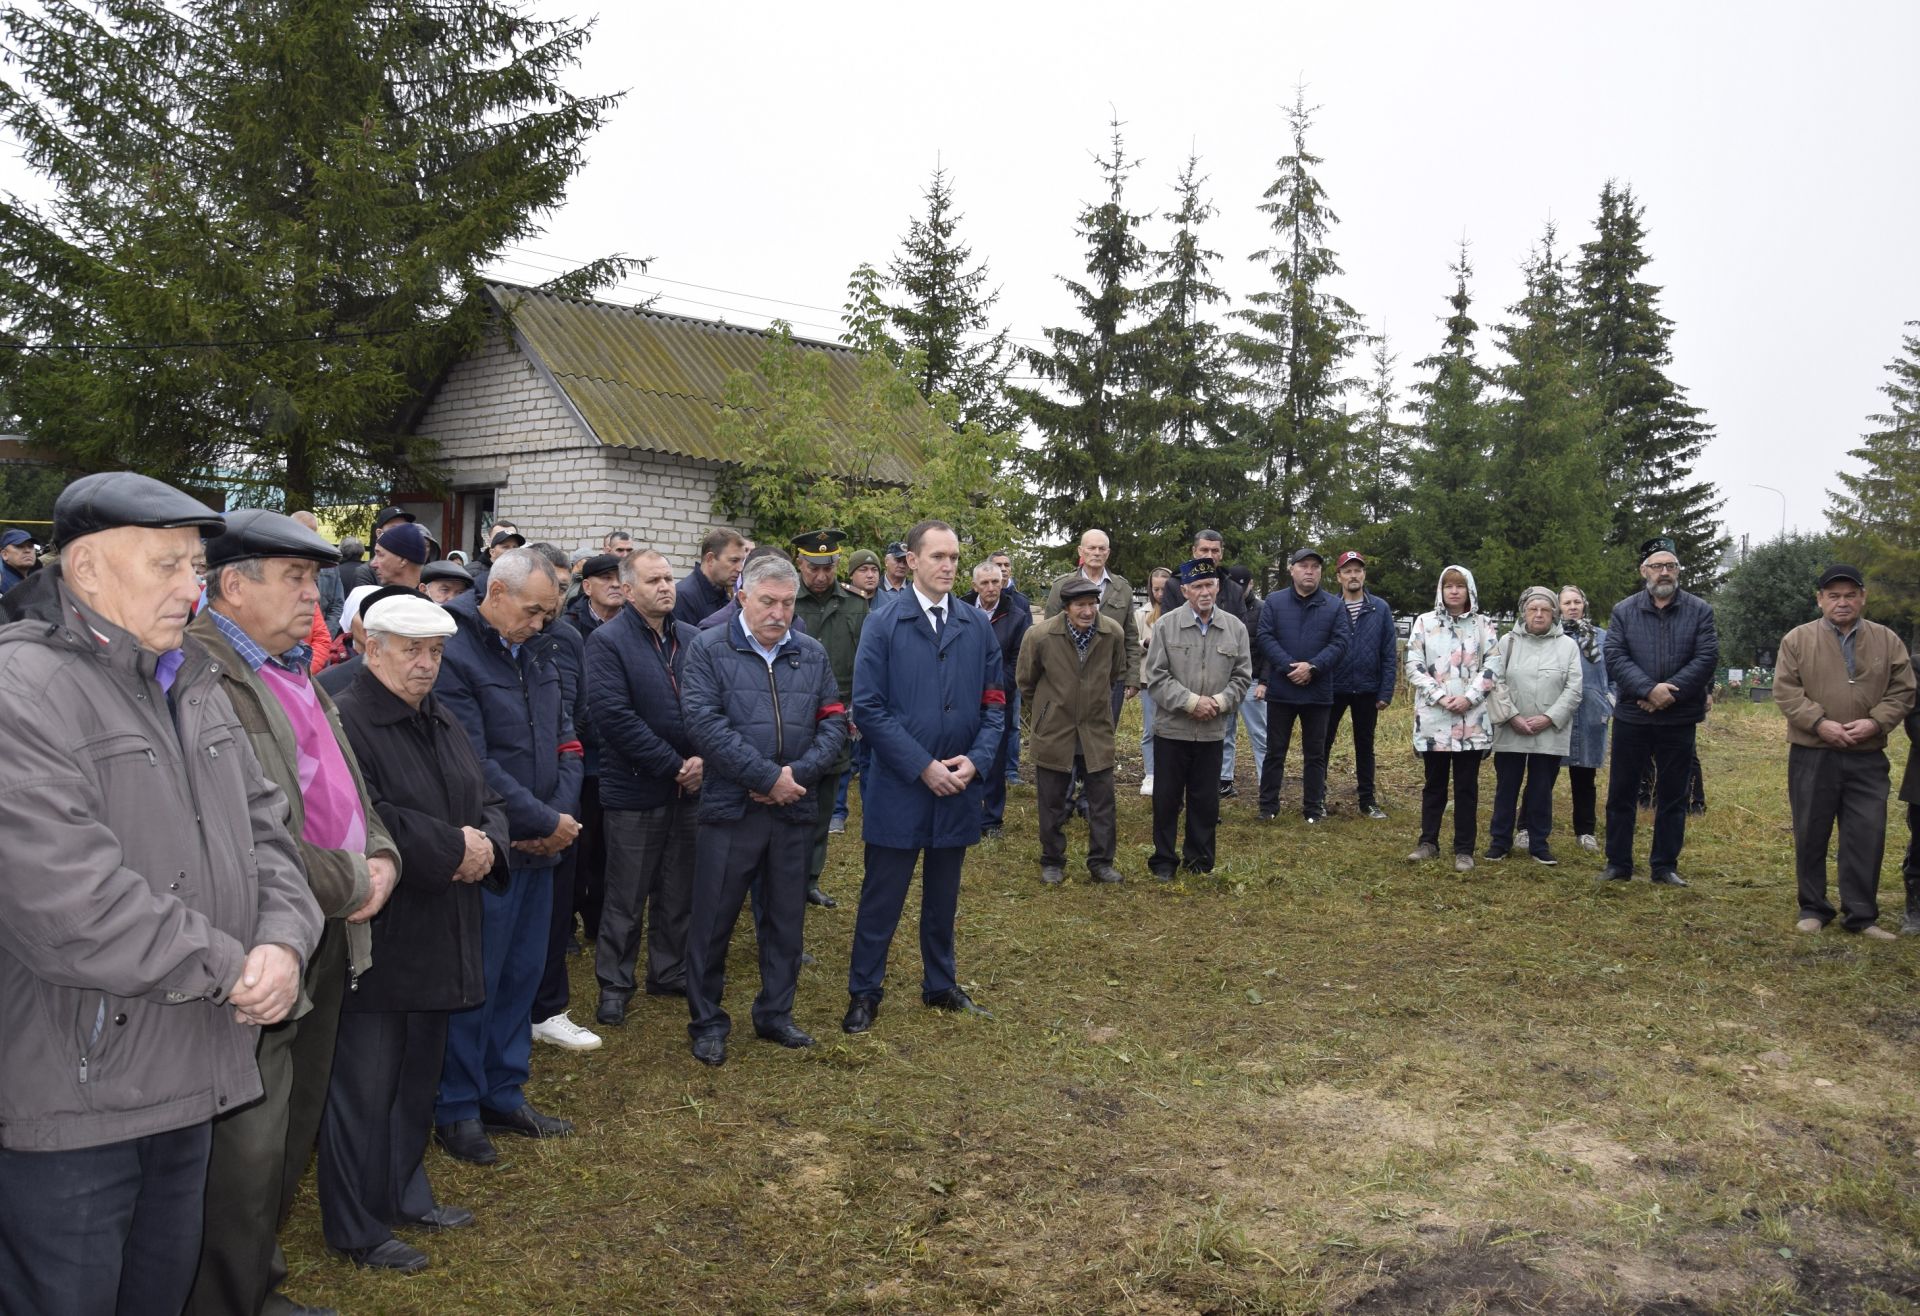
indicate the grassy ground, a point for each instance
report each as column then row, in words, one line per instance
column 1324, row 1080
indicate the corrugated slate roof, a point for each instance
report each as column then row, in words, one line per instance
column 657, row 382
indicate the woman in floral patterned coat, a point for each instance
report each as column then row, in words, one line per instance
column 1449, row 666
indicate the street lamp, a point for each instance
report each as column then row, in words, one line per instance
column 1783, row 505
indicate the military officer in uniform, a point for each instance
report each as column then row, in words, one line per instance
column 833, row 615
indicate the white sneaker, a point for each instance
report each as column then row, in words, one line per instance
column 563, row 1032
column 1146, row 784
column 1590, row 842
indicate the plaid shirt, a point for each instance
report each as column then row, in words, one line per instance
column 293, row 660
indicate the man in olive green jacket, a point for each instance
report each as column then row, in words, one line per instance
column 1068, row 665
column 833, row 615
column 262, row 582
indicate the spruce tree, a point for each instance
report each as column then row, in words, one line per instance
column 1294, row 352
column 1086, row 470
column 944, row 313
column 1448, row 518
column 268, row 221
column 1548, row 521
column 1649, row 436
column 1197, row 463
column 1876, row 513
column 1380, row 462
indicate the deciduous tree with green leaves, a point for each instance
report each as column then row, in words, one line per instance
column 1876, row 511
column 267, row 223
column 1769, row 593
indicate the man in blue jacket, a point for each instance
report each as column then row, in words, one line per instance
column 1301, row 639
column 1364, row 680
column 500, row 678
column 763, row 707
column 1661, row 652
column 650, row 780
column 928, row 696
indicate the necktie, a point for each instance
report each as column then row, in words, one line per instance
column 939, row 611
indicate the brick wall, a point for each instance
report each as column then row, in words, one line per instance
column 497, row 422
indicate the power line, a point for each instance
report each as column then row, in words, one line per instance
column 341, row 336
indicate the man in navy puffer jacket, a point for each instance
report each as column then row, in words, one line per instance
column 1365, row 678
column 764, row 712
column 1302, row 638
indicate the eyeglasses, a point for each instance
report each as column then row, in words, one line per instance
column 1662, row 568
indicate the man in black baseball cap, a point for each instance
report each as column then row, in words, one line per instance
column 387, row 516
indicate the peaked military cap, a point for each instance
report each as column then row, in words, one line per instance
column 819, row 544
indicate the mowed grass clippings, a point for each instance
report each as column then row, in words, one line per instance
column 1322, row 1080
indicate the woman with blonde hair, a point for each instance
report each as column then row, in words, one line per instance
column 1449, row 652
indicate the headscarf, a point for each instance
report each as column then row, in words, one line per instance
column 1584, row 632
column 1532, row 592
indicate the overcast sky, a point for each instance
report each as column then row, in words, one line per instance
column 765, row 150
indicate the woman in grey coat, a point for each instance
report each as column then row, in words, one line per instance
column 1588, row 751
column 1536, row 699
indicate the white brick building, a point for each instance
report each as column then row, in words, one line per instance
column 586, row 416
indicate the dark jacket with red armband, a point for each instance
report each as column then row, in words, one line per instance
column 915, row 700
column 747, row 720
column 515, row 713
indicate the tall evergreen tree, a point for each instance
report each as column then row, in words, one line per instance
column 1197, row 463
column 1086, row 470
column 944, row 313
column 1649, row 436
column 268, row 219
column 1447, row 521
column 1379, row 465
column 1876, row 513
column 1299, row 337
column 1549, row 522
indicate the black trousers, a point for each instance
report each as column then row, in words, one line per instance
column 1051, row 790
column 1522, row 783
column 1186, row 774
column 1828, row 786
column 649, row 888
column 260, row 1153
column 728, row 858
column 1582, row 784
column 589, row 875
column 106, row 1230
column 1669, row 751
column 1463, row 765
column 373, row 1139
column 1313, row 719
column 1910, row 862
column 1366, row 717
column 554, row 991
column 824, row 792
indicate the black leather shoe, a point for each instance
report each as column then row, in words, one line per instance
column 1228, row 790
column 785, row 1034
column 441, row 1217
column 390, row 1255
column 612, row 1011
column 1106, row 874
column 526, row 1121
column 815, row 896
column 710, row 1049
column 466, row 1140
column 667, row 989
column 1612, row 874
column 860, row 1012
column 956, row 1001
column 1669, row 878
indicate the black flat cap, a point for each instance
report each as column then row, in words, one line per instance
column 387, row 514
column 1078, row 588
column 446, row 571
column 600, row 564
column 1841, row 571
column 254, row 532
column 113, row 499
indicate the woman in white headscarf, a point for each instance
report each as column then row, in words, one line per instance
column 1448, row 652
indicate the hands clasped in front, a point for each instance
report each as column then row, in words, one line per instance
column 268, row 985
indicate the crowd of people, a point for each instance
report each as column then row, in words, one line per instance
column 301, row 843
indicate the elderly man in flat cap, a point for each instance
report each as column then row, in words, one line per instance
column 443, row 582
column 261, row 587
column 1845, row 684
column 153, row 915
column 399, row 554
column 451, row 829
column 1198, row 669
column 1661, row 651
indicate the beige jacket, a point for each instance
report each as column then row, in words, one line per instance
column 1182, row 665
column 1810, row 682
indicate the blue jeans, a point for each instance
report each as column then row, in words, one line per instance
column 1254, row 713
column 490, row 1046
column 859, row 769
